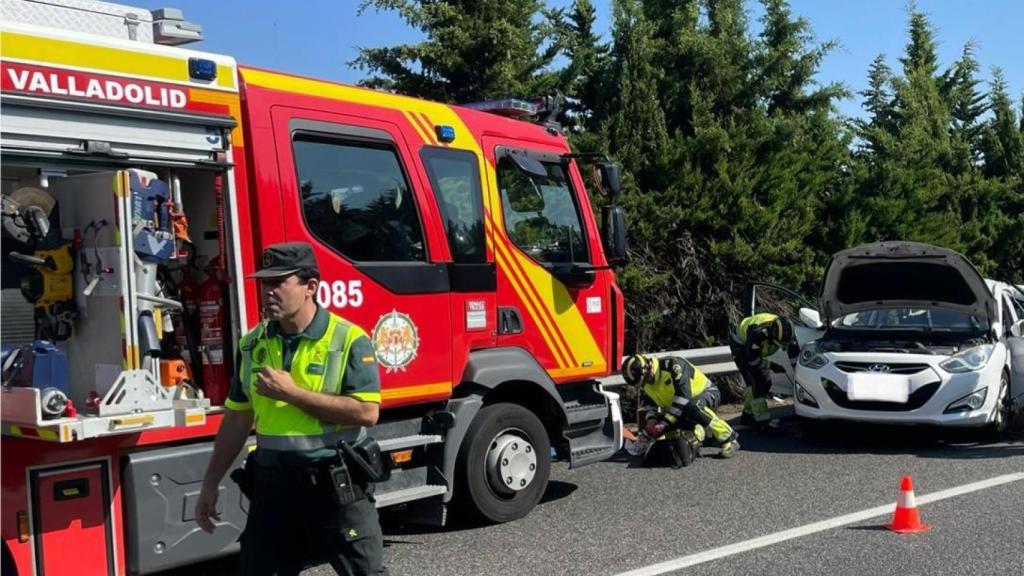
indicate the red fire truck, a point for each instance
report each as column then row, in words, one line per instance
column 140, row 182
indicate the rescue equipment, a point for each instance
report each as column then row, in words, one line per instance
column 212, row 320
column 47, row 284
column 41, row 365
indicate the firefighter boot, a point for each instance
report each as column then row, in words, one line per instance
column 723, row 434
column 755, row 410
column 729, row 449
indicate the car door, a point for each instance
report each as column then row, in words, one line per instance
column 762, row 297
column 1014, row 301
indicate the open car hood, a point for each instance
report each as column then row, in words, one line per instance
column 903, row 275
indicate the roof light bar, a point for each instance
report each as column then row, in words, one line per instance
column 511, row 107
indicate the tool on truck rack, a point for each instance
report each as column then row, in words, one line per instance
column 154, row 245
column 47, row 282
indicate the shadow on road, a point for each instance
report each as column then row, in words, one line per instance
column 394, row 525
column 792, row 437
column 869, row 528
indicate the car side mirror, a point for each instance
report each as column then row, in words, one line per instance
column 810, row 318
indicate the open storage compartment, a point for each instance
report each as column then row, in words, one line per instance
column 118, row 282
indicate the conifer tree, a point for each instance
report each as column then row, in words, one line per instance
column 473, row 50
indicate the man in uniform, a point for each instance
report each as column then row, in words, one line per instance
column 307, row 379
column 756, row 338
column 687, row 399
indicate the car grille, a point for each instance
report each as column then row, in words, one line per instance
column 916, row 399
column 905, row 369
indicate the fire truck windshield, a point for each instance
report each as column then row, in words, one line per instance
column 541, row 213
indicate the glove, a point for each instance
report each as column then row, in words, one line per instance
column 655, row 428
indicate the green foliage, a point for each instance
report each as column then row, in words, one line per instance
column 474, row 50
column 737, row 166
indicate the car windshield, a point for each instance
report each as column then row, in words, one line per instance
column 923, row 319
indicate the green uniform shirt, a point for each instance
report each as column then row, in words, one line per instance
column 359, row 378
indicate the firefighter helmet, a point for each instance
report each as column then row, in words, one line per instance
column 783, row 330
column 638, row 369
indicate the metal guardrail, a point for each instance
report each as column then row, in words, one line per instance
column 711, row 361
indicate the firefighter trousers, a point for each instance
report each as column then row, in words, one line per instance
column 758, row 380
column 294, row 521
column 701, row 410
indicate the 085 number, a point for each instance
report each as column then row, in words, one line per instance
column 339, row 294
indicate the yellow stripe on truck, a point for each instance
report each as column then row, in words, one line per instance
column 43, row 50
column 403, row 392
column 533, row 306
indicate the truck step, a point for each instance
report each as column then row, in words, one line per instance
column 409, row 494
column 590, row 455
column 577, row 412
column 392, row 444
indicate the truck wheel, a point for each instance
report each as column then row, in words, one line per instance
column 504, row 463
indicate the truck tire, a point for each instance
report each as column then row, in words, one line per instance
column 503, row 464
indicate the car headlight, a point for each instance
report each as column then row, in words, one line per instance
column 972, row 401
column 968, row 360
column 805, row 397
column 812, row 357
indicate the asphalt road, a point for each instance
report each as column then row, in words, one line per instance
column 611, row 518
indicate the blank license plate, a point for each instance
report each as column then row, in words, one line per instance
column 878, row 388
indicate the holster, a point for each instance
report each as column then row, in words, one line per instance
column 244, row 476
column 365, row 461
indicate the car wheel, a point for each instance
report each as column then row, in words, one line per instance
column 503, row 464
column 995, row 430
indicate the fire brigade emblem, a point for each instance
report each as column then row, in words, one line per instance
column 396, row 341
column 268, row 259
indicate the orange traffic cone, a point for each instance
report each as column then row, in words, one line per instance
column 905, row 519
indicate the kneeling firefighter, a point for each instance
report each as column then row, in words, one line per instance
column 756, row 338
column 687, row 399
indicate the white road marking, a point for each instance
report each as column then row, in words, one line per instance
column 768, row 540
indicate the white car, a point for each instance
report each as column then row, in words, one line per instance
column 909, row 333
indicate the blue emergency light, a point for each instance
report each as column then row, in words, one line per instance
column 445, row 133
column 202, row 69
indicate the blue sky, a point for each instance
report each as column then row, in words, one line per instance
column 318, row 37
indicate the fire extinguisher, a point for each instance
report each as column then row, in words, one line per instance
column 212, row 323
column 185, row 335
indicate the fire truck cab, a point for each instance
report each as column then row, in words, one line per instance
column 140, row 182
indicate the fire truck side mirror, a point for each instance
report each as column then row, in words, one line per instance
column 606, row 178
column 613, row 233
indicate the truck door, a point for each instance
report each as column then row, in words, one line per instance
column 351, row 189
column 549, row 301
column 455, row 178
